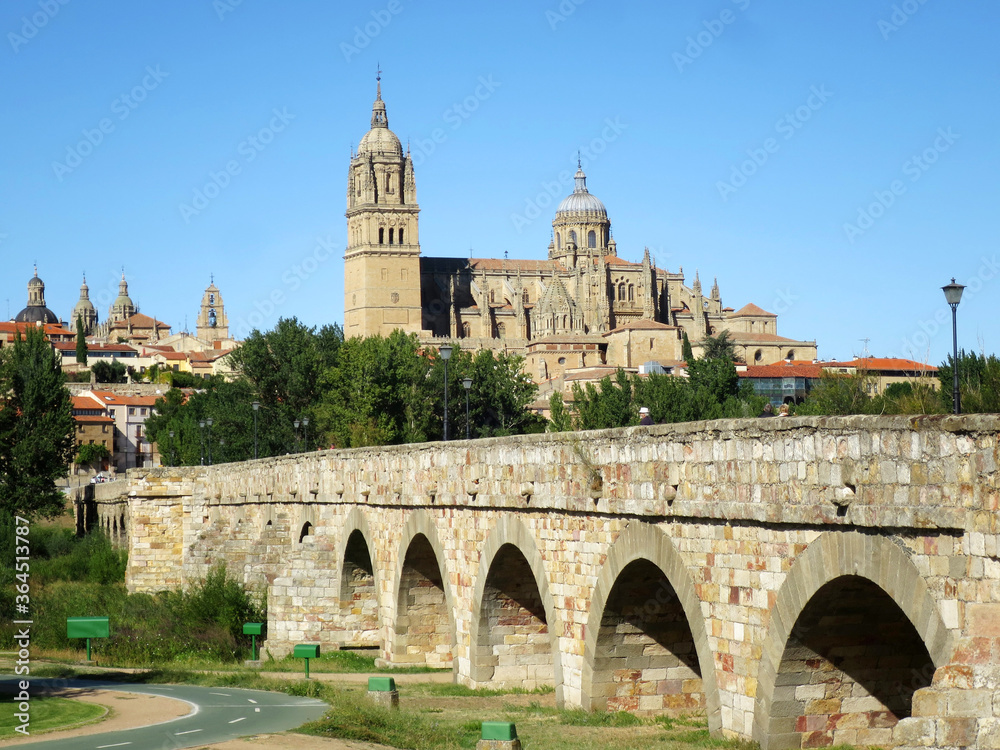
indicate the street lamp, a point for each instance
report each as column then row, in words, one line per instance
column 256, row 408
column 208, row 422
column 467, row 384
column 201, row 434
column 445, row 352
column 953, row 294
column 305, row 433
column 296, row 424
column 173, row 450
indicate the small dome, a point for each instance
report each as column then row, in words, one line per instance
column 380, row 141
column 34, row 281
column 581, row 201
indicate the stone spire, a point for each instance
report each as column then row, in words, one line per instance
column 379, row 117
column 715, row 290
column 85, row 310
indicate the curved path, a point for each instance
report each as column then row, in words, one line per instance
column 217, row 715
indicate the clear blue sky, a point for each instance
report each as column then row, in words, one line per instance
column 735, row 137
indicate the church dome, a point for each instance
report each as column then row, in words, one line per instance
column 581, row 201
column 380, row 141
column 36, row 311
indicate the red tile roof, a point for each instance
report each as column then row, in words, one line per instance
column 751, row 310
column 783, row 370
column 884, row 363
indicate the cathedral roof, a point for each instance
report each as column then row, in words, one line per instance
column 751, row 310
column 581, row 201
column 36, row 311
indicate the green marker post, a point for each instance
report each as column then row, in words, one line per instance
column 306, row 651
column 253, row 629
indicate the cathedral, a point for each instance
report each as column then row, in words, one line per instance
column 582, row 307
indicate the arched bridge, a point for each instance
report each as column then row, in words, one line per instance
column 803, row 581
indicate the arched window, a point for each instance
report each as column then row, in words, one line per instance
column 381, row 236
column 501, row 330
column 758, row 355
column 791, row 355
column 592, row 239
column 572, row 236
column 621, row 291
column 466, row 331
column 558, row 241
column 631, row 292
column 391, row 232
column 400, row 235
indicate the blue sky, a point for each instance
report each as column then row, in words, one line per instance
column 834, row 162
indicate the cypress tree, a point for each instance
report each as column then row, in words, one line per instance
column 81, row 342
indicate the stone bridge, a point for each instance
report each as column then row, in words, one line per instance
column 802, row 581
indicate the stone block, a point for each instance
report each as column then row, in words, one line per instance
column 957, row 732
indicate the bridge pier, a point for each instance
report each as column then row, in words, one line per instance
column 803, row 582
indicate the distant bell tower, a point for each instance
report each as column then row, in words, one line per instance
column 213, row 325
column 382, row 261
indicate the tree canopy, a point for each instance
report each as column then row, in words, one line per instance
column 36, row 427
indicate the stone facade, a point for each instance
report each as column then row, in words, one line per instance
column 804, row 581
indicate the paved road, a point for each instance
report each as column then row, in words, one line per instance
column 217, row 715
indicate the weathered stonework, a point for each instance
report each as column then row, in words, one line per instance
column 805, row 581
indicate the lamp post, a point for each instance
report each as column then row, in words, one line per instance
column 173, row 450
column 208, row 423
column 953, row 294
column 201, row 434
column 305, row 433
column 256, row 408
column 445, row 352
column 296, row 424
column 467, row 384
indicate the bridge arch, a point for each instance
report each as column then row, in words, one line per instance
column 509, row 556
column 422, row 590
column 836, row 574
column 358, row 583
column 670, row 607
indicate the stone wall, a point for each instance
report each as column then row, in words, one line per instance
column 741, row 566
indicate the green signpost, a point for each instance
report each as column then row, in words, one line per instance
column 253, row 629
column 306, row 651
column 87, row 627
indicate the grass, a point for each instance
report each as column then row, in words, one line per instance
column 48, row 714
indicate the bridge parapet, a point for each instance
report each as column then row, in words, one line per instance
column 663, row 568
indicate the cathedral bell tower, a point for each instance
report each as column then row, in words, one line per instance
column 213, row 324
column 382, row 261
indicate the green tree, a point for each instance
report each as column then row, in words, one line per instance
column 840, row 394
column 687, row 353
column 500, row 396
column 719, row 347
column 109, row 372
column 560, row 418
column 81, row 342
column 978, row 382
column 91, row 454
column 36, row 427
column 609, row 404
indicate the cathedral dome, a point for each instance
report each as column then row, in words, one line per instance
column 36, row 311
column 581, row 201
column 380, row 140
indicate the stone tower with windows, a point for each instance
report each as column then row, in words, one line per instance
column 85, row 311
column 382, row 262
column 213, row 325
